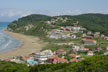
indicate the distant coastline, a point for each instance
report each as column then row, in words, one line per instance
column 29, row 45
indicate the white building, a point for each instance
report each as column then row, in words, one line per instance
column 90, row 53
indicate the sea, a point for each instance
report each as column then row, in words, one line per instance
column 7, row 43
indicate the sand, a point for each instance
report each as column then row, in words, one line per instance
column 29, row 45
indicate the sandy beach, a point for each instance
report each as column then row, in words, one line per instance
column 29, row 45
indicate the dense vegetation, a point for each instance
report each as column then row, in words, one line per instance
column 35, row 24
column 13, row 67
column 91, row 64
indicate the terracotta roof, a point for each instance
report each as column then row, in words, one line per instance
column 53, row 31
column 62, row 59
column 60, row 50
column 74, row 60
column 86, row 48
column 51, row 57
column 88, row 40
column 25, row 57
column 72, row 55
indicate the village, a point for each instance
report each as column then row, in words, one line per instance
column 77, row 52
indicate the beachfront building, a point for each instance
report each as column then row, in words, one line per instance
column 47, row 53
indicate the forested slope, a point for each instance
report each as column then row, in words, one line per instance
column 35, row 24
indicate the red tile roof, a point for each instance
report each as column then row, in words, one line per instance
column 53, row 31
column 25, row 57
column 62, row 59
column 86, row 48
column 74, row 60
column 72, row 55
column 88, row 40
column 51, row 57
column 60, row 50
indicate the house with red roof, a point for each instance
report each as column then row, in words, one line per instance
column 74, row 60
column 99, row 49
column 88, row 37
column 84, row 49
column 74, row 55
column 106, row 38
column 55, row 59
column 61, row 51
column 24, row 58
column 89, row 42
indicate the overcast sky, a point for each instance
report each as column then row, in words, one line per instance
column 13, row 9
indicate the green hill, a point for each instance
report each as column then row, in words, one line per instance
column 35, row 24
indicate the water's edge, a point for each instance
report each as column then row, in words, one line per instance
column 19, row 42
column 7, row 42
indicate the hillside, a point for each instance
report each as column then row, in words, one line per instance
column 36, row 24
column 92, row 64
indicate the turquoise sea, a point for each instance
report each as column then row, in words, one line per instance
column 7, row 42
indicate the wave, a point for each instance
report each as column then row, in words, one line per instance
column 7, row 42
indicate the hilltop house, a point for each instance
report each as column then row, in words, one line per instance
column 102, row 36
column 61, row 51
column 84, row 34
column 89, row 32
column 89, row 42
column 106, row 38
column 107, row 48
column 96, row 34
column 73, row 36
column 106, row 53
column 55, row 35
column 76, row 29
column 90, row 53
column 75, row 48
column 84, row 49
column 88, row 37
column 69, row 28
column 79, row 48
column 99, row 49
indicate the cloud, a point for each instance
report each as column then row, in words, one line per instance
column 12, row 14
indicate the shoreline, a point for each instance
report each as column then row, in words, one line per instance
column 29, row 45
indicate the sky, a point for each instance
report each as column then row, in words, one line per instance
column 14, row 9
